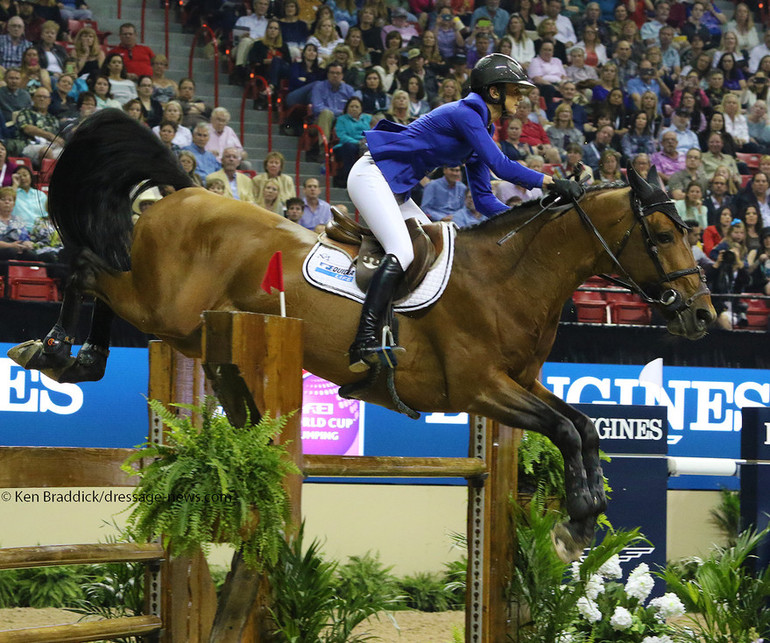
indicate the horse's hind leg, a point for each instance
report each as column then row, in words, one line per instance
column 91, row 362
column 51, row 355
column 513, row 405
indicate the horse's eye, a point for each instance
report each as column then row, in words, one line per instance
column 664, row 237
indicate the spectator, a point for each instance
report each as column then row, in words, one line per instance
column 134, row 109
column 753, row 220
column 351, row 74
column 759, row 131
column 449, row 92
column 626, row 68
column 417, row 103
column 294, row 209
column 680, row 125
column 371, row 33
column 638, row 139
column 13, row 44
column 248, row 29
column 53, row 57
column 512, row 194
column 15, row 243
column 688, row 55
column 163, row 89
column 547, row 31
column 172, row 113
column 717, row 199
column 614, row 106
column 609, row 167
column 215, row 185
column 345, row 13
column 755, row 193
column 274, row 165
column 608, row 80
column 34, row 125
column 691, row 207
column 670, row 160
column 13, row 98
column 650, row 29
column 302, row 75
column 736, row 124
column 361, row 59
column 137, row 59
column 693, row 238
column 329, row 97
column 592, row 151
column 563, row 131
column 713, row 19
column 533, row 134
column 444, row 198
column 546, row 72
column 374, row 100
column 7, row 168
column 122, row 88
column 458, row 69
column 482, row 45
column 86, row 105
column 690, row 101
column 30, row 203
column 448, row 34
column 190, row 166
column 714, row 234
column 399, row 23
column 194, row 110
column 565, row 31
column 89, row 56
column 567, row 170
column 268, row 198
column 595, row 51
column 206, row 162
column 350, row 128
column 102, row 90
column 716, row 123
column 527, row 13
column 237, row 185
column 669, row 54
column 394, row 40
column 325, row 38
column 166, row 133
column 649, row 80
column 269, row 56
column 32, row 74
column 734, row 80
column 399, row 108
column 151, row 109
column 641, row 163
column 630, row 33
column 294, row 31
column 694, row 26
column 416, row 67
column 522, row 46
column 512, row 146
column 491, row 11
column 758, row 52
column 760, row 276
column 316, row 211
column 469, row 215
column 678, row 182
column 584, row 76
column 221, row 135
column 716, row 157
column 592, row 17
column 75, row 10
column 730, row 275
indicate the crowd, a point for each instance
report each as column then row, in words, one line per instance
column 676, row 85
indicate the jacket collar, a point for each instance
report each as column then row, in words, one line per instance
column 477, row 104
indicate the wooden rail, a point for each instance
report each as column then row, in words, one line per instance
column 44, row 556
column 75, row 632
column 24, row 467
column 393, row 466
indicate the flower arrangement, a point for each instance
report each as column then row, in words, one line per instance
column 613, row 611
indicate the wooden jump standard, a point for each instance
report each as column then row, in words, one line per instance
column 256, row 360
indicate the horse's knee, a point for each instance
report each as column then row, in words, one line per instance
column 588, row 434
column 567, row 439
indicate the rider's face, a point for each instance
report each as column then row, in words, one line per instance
column 512, row 98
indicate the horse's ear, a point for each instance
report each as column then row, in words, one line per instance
column 640, row 187
column 652, row 176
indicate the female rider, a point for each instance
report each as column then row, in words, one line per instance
column 399, row 156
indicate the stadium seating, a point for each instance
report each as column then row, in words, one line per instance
column 30, row 282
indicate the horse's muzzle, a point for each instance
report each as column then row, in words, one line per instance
column 693, row 321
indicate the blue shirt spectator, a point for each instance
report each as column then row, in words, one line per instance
column 331, row 94
column 316, row 211
column 686, row 138
column 206, row 162
column 491, row 11
column 13, row 44
column 445, row 197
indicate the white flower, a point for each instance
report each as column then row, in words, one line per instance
column 668, row 606
column 640, row 583
column 621, row 619
column 565, row 637
column 575, row 568
column 611, row 568
column 594, row 586
column 657, row 639
column 589, row 610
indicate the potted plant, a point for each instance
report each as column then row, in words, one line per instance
column 216, row 483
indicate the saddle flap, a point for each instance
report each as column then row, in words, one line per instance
column 344, row 229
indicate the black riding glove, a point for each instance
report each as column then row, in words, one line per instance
column 568, row 190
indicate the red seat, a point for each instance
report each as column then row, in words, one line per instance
column 30, row 282
column 590, row 306
column 548, row 168
column 46, row 168
column 250, row 173
column 630, row 312
column 757, row 313
column 625, row 297
column 22, row 160
column 751, row 160
column 745, row 178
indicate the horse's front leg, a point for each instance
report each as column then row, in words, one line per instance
column 509, row 403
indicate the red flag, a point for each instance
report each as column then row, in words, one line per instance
column 274, row 274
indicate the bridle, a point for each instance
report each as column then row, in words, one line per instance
column 670, row 299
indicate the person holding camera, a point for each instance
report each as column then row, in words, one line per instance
column 730, row 275
column 760, row 275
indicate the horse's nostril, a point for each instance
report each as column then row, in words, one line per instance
column 704, row 315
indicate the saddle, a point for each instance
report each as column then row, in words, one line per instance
column 366, row 252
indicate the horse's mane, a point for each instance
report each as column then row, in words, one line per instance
column 520, row 212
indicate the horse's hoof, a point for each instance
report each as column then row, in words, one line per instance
column 32, row 356
column 569, row 542
column 89, row 366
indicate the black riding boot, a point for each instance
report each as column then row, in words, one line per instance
column 378, row 297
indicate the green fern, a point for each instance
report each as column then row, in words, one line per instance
column 217, row 483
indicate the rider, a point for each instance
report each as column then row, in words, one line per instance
column 399, row 156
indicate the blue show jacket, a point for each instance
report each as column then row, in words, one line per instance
column 450, row 135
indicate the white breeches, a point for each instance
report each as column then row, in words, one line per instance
column 380, row 210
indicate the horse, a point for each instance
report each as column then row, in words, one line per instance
column 478, row 349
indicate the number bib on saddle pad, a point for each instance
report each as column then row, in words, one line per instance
column 329, row 268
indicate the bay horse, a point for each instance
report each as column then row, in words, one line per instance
column 478, row 349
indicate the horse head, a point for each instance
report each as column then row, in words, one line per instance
column 669, row 275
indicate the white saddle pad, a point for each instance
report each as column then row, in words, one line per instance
column 329, row 268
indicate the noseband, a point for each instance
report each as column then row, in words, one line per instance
column 670, row 299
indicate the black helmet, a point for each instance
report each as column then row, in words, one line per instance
column 497, row 69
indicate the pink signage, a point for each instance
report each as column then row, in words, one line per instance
column 331, row 425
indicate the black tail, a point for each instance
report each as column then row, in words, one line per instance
column 90, row 193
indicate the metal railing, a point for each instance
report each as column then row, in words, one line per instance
column 251, row 92
column 306, row 128
column 205, row 29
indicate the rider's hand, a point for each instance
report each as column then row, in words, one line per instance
column 566, row 189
